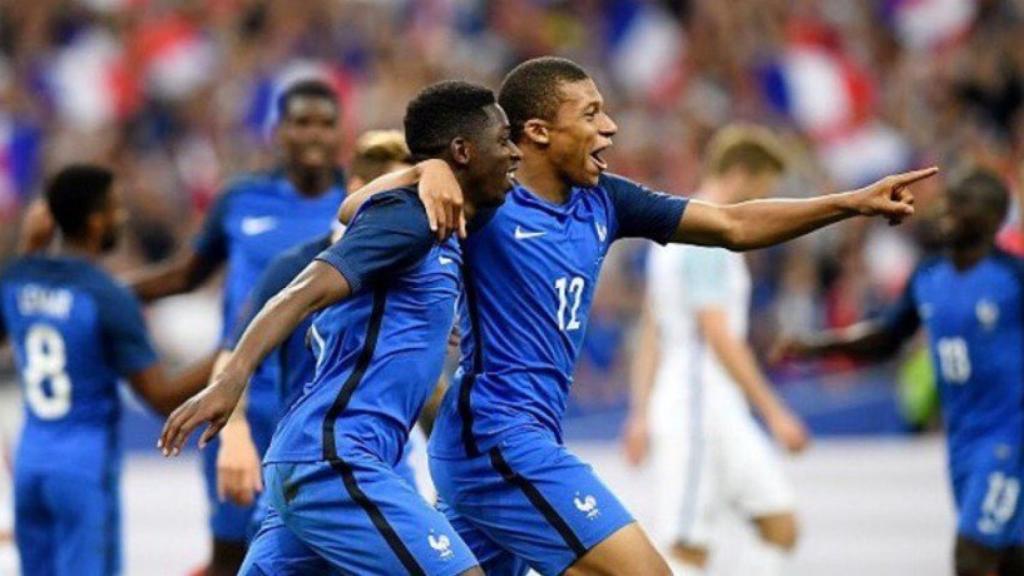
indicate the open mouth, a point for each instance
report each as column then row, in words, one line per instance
column 598, row 161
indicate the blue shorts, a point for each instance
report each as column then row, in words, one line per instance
column 229, row 521
column 262, row 508
column 358, row 516
column 532, row 498
column 67, row 524
column 988, row 498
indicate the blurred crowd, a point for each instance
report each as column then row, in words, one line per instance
column 177, row 96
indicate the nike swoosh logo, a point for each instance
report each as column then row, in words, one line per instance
column 255, row 226
column 524, row 235
column 444, row 260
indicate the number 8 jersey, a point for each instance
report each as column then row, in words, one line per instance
column 530, row 269
column 74, row 332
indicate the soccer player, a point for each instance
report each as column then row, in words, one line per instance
column 970, row 301
column 509, row 484
column 238, row 467
column 387, row 293
column 75, row 333
column 256, row 218
column 692, row 370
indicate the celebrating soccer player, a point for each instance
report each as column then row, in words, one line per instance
column 386, row 293
column 970, row 300
column 75, row 333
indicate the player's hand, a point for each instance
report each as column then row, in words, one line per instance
column 212, row 406
column 788, row 430
column 442, row 197
column 636, row 440
column 891, row 196
column 37, row 228
column 786, row 348
column 238, row 464
column 454, row 338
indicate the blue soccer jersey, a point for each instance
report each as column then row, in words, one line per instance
column 974, row 321
column 497, row 444
column 75, row 333
column 259, row 216
column 330, row 467
column 530, row 278
column 293, row 361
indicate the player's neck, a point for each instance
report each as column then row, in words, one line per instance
column 310, row 184
column 542, row 179
column 83, row 249
column 966, row 257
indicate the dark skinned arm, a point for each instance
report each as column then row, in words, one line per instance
column 318, row 286
column 182, row 274
column 165, row 394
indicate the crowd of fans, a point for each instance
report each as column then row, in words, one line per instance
column 176, row 96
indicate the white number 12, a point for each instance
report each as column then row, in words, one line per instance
column 569, row 290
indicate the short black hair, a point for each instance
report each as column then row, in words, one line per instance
column 530, row 90
column 443, row 111
column 77, row 192
column 309, row 88
column 985, row 186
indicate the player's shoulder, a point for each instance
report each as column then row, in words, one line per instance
column 107, row 289
column 246, row 183
column 404, row 202
column 1010, row 261
column 929, row 264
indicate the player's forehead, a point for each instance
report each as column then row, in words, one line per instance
column 496, row 116
column 308, row 105
column 579, row 95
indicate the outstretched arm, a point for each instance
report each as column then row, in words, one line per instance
column 165, row 394
column 319, row 285
column 870, row 340
column 182, row 274
column 760, row 223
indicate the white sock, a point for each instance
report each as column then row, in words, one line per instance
column 765, row 559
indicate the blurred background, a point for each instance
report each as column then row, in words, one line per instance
column 176, row 95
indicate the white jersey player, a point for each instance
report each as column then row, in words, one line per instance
column 694, row 374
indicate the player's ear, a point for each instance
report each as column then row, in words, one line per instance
column 461, row 150
column 536, row 131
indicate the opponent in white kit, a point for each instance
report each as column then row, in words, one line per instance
column 694, row 374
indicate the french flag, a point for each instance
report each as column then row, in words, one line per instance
column 91, row 83
column 930, row 24
column 821, row 89
column 176, row 56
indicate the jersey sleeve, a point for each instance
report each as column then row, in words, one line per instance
column 126, row 339
column 643, row 213
column 212, row 241
column 388, row 235
column 901, row 319
column 278, row 275
column 703, row 276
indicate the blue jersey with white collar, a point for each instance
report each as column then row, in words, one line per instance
column 974, row 320
column 530, row 275
column 380, row 351
column 259, row 216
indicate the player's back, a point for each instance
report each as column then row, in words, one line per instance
column 975, row 324
column 60, row 317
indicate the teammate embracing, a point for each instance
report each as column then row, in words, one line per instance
column 970, row 302
column 508, row 483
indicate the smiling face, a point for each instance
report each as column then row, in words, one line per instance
column 579, row 133
column 308, row 133
column 494, row 159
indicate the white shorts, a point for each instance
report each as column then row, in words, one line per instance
column 709, row 457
